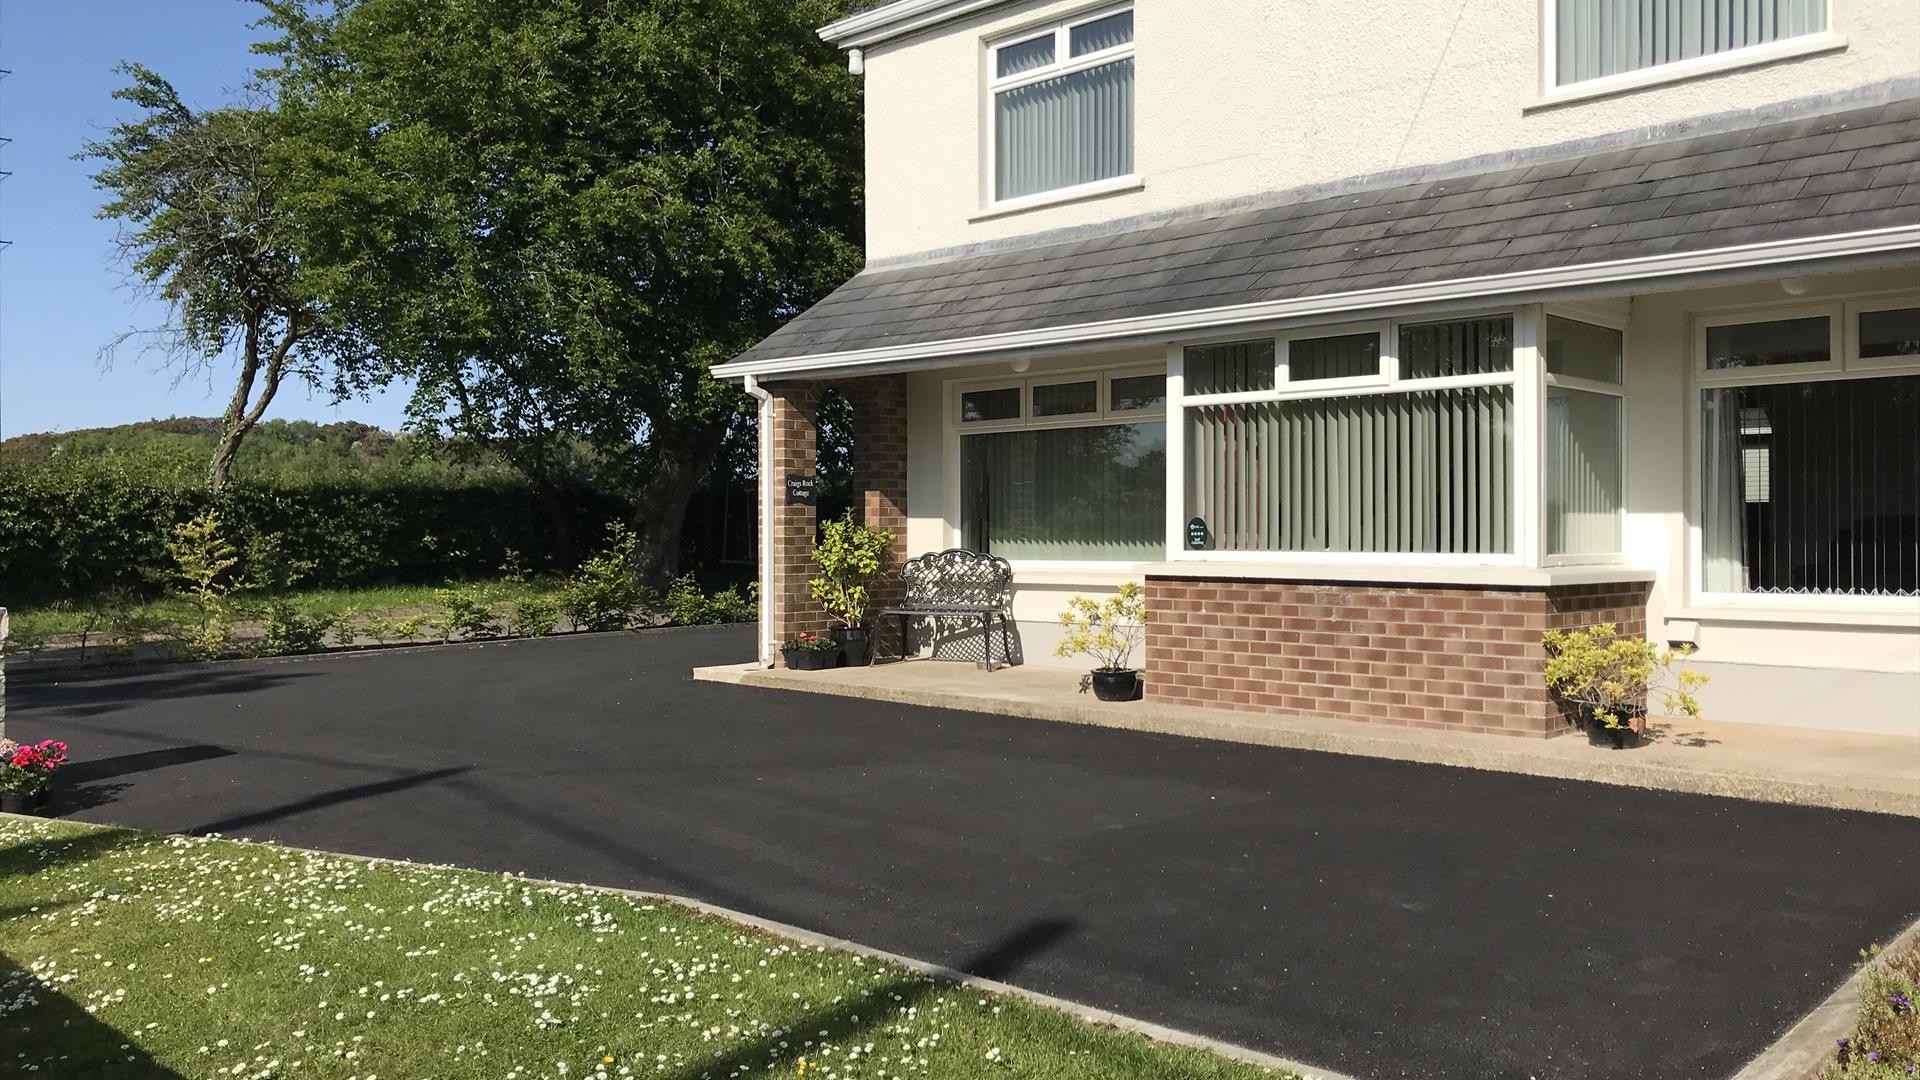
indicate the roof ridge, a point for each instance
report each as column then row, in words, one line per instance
column 1774, row 113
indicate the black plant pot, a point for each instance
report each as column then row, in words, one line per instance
column 1614, row 738
column 12, row 803
column 856, row 644
column 810, row 659
column 1116, row 685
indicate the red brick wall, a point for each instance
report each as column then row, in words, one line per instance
column 879, row 480
column 1417, row 655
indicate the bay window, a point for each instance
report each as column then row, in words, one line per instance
column 1585, row 474
column 1594, row 39
column 1062, row 105
column 1810, row 451
column 1068, row 467
column 1388, row 438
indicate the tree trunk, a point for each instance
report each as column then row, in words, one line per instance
column 662, row 513
column 240, row 418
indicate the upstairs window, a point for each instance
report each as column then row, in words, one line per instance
column 1062, row 105
column 1593, row 39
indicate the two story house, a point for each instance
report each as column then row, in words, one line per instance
column 1378, row 340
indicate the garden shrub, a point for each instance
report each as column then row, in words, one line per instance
column 465, row 612
column 534, row 616
column 286, row 632
column 605, row 592
column 206, row 565
column 1885, row 1043
column 686, row 604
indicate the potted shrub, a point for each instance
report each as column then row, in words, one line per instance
column 26, row 771
column 809, row 652
column 1608, row 679
column 851, row 556
column 1107, row 630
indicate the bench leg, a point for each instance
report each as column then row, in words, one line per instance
column 986, row 638
column 1006, row 639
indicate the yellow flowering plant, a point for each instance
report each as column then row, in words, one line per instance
column 1613, row 676
column 851, row 556
column 1107, row 630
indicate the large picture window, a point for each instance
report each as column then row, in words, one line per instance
column 1073, row 470
column 1411, row 452
column 1810, row 462
column 1594, row 39
column 1062, row 105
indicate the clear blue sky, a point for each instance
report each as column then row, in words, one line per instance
column 62, row 296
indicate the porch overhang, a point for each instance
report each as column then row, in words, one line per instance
column 1825, row 193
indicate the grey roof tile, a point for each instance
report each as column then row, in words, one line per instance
column 1811, row 176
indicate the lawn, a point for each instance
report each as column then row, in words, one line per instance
column 128, row 954
column 54, row 620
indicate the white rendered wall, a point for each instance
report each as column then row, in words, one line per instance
column 1240, row 97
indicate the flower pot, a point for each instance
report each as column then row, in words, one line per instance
column 1614, row 738
column 810, row 659
column 1116, row 685
column 856, row 644
column 12, row 803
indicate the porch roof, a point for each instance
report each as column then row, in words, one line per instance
column 1842, row 184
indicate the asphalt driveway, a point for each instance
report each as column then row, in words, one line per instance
column 1378, row 918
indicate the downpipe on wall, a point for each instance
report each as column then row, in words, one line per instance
column 769, row 649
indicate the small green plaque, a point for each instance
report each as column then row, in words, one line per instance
column 1197, row 534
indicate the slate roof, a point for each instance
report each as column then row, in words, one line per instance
column 1822, row 175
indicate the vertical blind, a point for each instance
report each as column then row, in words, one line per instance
column 1427, row 472
column 1583, row 473
column 1095, row 492
column 1075, row 129
column 1835, row 508
column 1608, row 37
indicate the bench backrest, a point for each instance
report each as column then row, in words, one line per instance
column 958, row 576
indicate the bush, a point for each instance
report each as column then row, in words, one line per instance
column 1885, row 1044
column 534, row 616
column 205, row 565
column 286, row 632
column 605, row 592
column 686, row 604
column 466, row 612
column 1612, row 677
column 850, row 556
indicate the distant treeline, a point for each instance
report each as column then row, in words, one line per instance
column 89, row 511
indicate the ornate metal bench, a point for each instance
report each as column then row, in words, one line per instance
column 957, row 584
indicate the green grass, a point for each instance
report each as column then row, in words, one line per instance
column 133, row 955
column 72, row 619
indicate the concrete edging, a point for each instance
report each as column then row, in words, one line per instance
column 1808, row 1046
column 1489, row 753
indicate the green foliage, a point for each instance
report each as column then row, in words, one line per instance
column 1613, row 676
column 75, row 523
column 346, row 629
column 404, row 630
column 1885, row 1041
column 686, row 604
column 205, row 565
column 555, row 218
column 1106, row 630
column 850, row 556
column 605, row 592
column 534, row 616
column 285, row 631
column 465, row 612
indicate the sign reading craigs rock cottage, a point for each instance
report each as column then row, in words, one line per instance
column 802, row 490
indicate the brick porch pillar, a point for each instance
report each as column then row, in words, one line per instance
column 880, row 464
column 795, row 453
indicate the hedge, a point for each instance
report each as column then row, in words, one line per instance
column 74, row 533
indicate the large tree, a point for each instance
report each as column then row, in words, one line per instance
column 205, row 226
column 557, row 215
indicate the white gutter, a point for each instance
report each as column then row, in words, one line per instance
column 898, row 18
column 769, row 648
column 1461, row 291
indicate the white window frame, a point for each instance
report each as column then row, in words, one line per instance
column 1064, row 63
column 1528, row 442
column 1847, row 365
column 954, row 430
column 1384, row 375
column 1552, row 93
column 1591, row 316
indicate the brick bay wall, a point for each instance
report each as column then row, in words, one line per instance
column 1434, row 656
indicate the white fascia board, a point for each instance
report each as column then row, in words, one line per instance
column 896, row 19
column 1523, row 283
